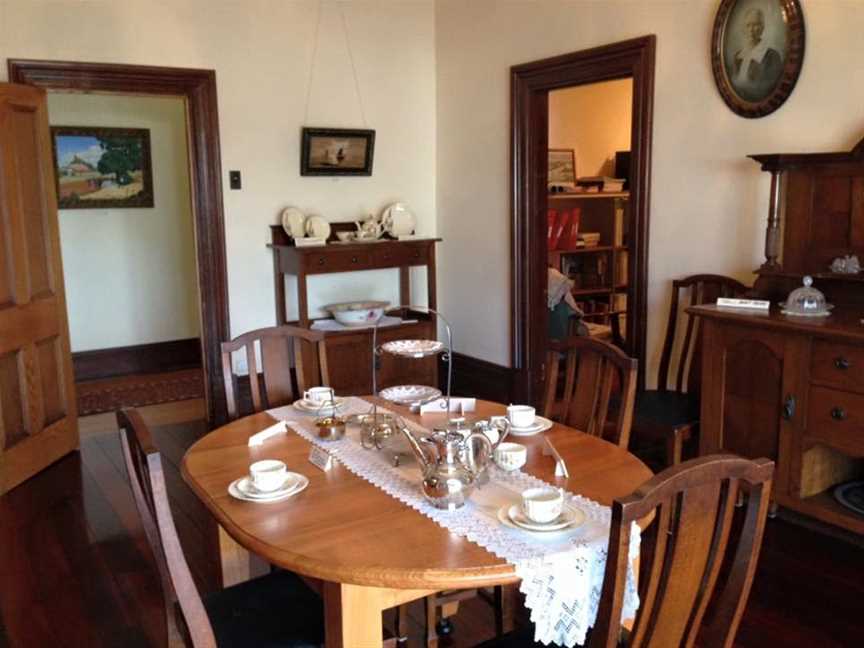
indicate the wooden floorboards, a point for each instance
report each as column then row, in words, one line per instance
column 75, row 569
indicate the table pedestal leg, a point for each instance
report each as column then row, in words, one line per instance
column 352, row 613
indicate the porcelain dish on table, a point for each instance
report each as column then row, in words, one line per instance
column 357, row 313
column 317, row 227
column 311, row 407
column 541, row 424
column 413, row 348
column 294, row 222
column 511, row 515
column 243, row 489
column 410, row 394
column 398, row 220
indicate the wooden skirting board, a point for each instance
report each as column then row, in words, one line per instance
column 479, row 379
column 158, row 357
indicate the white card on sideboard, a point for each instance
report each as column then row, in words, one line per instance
column 321, row 458
column 748, row 304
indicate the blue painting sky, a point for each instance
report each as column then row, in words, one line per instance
column 84, row 146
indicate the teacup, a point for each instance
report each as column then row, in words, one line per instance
column 520, row 416
column 318, row 395
column 511, row 456
column 542, row 505
column 268, row 474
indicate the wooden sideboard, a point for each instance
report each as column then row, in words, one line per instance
column 791, row 389
column 349, row 352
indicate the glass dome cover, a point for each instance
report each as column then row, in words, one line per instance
column 806, row 301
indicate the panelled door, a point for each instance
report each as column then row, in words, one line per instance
column 38, row 418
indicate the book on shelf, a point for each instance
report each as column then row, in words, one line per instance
column 601, row 183
column 590, row 239
column 619, row 226
column 557, row 221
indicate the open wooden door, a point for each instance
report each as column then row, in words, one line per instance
column 38, row 417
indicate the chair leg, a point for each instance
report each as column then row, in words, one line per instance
column 504, row 608
column 674, row 447
column 402, row 625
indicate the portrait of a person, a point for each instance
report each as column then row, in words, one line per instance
column 755, row 67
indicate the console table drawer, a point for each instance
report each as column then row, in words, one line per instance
column 838, row 365
column 837, row 417
column 403, row 255
column 338, row 261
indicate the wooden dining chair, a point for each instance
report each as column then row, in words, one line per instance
column 277, row 384
column 598, row 378
column 693, row 505
column 273, row 610
column 669, row 414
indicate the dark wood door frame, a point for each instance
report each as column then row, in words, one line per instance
column 198, row 87
column 530, row 86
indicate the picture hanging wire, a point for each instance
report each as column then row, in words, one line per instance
column 350, row 59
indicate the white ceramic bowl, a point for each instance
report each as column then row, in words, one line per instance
column 542, row 504
column 359, row 313
column 511, row 456
column 268, row 474
column 346, row 236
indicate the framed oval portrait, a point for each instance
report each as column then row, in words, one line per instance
column 757, row 49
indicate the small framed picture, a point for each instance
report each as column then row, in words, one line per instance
column 562, row 168
column 100, row 167
column 757, row 50
column 337, row 152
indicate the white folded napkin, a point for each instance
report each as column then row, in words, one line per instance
column 259, row 438
column 456, row 405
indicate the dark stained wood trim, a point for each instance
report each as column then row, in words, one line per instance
column 198, row 87
column 138, row 359
column 479, row 379
column 530, row 86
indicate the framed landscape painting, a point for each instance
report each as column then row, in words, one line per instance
column 336, row 152
column 102, row 167
column 562, row 167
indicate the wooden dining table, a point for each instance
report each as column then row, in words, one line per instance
column 370, row 551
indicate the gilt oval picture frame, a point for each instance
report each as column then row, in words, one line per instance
column 757, row 49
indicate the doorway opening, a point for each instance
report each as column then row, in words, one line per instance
column 610, row 260
column 197, row 89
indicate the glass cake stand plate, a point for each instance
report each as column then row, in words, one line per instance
column 413, row 348
column 410, row 394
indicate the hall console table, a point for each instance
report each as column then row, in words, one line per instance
column 792, row 388
column 349, row 353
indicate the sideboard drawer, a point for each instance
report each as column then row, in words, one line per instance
column 837, row 417
column 837, row 365
column 338, row 261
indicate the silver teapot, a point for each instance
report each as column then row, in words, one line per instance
column 450, row 463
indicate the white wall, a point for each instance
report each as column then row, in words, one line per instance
column 262, row 51
column 708, row 201
column 594, row 120
column 130, row 273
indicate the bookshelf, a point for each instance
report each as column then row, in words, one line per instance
column 600, row 273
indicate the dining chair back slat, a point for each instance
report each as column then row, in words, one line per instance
column 146, row 477
column 694, row 504
column 279, row 348
column 696, row 290
column 594, row 371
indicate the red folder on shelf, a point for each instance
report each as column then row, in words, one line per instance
column 551, row 218
column 569, row 240
column 558, row 229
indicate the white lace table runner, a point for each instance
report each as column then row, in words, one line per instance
column 562, row 572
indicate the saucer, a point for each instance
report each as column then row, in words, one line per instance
column 243, row 489
column 313, row 408
column 570, row 517
column 541, row 424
